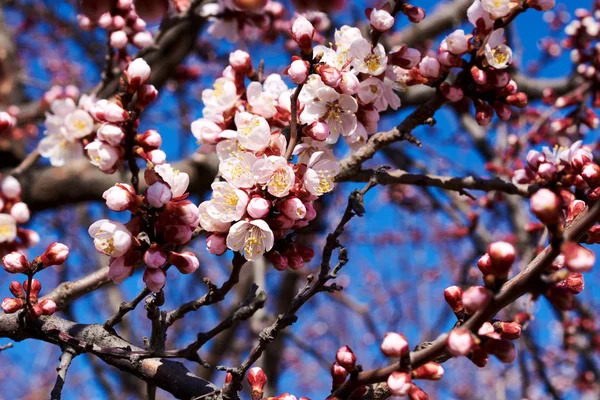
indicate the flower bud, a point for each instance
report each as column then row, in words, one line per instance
column 293, row 208
column 258, row 207
column 458, row 42
column 305, row 252
column 119, row 197
column 483, row 113
column 460, row 342
column 394, row 345
column 591, row 174
column 146, row 95
column 10, row 305
column 546, row 206
column 36, row 287
column 279, row 261
column 399, row 383
column 541, row 5
column 405, row 57
column 416, row 393
column 302, row 32
column 580, row 159
column 414, row 14
column 178, row 234
column 431, row 371
column 577, row 257
column 574, row 282
column 216, row 244
column 503, row 350
column 453, row 296
column 158, row 194
column 298, row 71
column 111, row 134
column 282, row 222
column 55, row 254
column 240, row 61
column 561, row 297
column 311, row 213
column 317, row 130
column 518, row 99
column 430, row 67
column 7, row 121
column 150, row 139
column 15, row 262
column 349, row 83
column 502, row 257
column 47, row 306
column 20, row 212
column 142, row 39
column 330, row 76
column 295, row 261
column 451, row 93
column 479, row 75
column 11, row 188
column 346, row 358
column 475, row 298
column 257, row 380
column 185, row 262
column 118, row 39
column 338, row 374
column 535, row 158
column 17, row 289
column 155, row 279
column 156, row 157
column 155, row 256
column 508, row 330
column 381, row 20
column 137, row 73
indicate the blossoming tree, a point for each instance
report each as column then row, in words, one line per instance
column 208, row 159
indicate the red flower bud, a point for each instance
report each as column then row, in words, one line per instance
column 338, row 374
column 346, row 358
column 55, row 254
column 15, row 262
column 508, row 330
column 460, row 342
column 502, row 257
column 546, row 206
column 475, row 298
column 577, row 257
column 431, row 371
column 10, row 305
column 453, row 296
column 257, row 380
column 394, row 345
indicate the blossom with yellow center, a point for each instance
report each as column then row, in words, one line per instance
column 254, row 238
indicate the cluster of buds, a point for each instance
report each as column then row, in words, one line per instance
column 562, row 294
column 126, row 21
column 400, row 382
column 26, row 295
column 110, row 147
column 492, row 338
column 13, row 212
column 162, row 221
column 345, row 364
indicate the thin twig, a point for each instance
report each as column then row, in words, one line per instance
column 124, row 308
column 65, row 361
column 293, row 122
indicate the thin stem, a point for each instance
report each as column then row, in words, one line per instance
column 65, row 361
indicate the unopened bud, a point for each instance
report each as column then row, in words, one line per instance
column 577, row 257
column 502, row 256
column 399, row 383
column 257, row 380
column 546, row 205
column 460, row 342
column 453, row 296
column 431, row 371
column 394, row 345
column 346, row 358
column 476, row 298
column 55, row 254
column 15, row 262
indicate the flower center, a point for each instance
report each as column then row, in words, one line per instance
column 372, row 62
column 499, row 56
column 247, row 130
column 218, row 89
column 279, row 181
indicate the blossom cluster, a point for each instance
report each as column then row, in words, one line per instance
column 162, row 222
column 26, row 294
column 14, row 212
column 126, row 21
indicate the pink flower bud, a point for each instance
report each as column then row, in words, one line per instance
column 240, row 61
column 542, row 5
column 546, row 206
column 111, row 134
column 518, row 99
column 399, row 383
column 577, row 257
column 311, row 213
column 155, row 256
column 10, row 305
column 186, row 262
column 416, row 393
column 146, row 95
column 155, row 279
column 185, row 212
column 349, row 83
column 414, row 14
column 137, row 73
column 535, row 158
column 17, row 289
column 458, row 42
column 293, row 208
column 55, row 254
column 547, row 171
column 346, row 358
column 317, row 130
column 394, row 345
column 36, row 287
column 178, row 234
column 150, row 139
column 302, row 32
column 591, row 174
column 475, row 298
column 298, row 71
column 114, row 113
column 216, row 244
column 279, row 261
column 503, row 350
column 479, row 75
column 142, row 39
column 483, row 113
column 7, row 121
column 406, row 57
column 574, row 282
column 430, row 67
column 503, row 110
column 11, row 188
column 258, row 207
column 20, row 212
column 15, row 262
column 508, row 330
column 119, row 197
column 460, row 342
column 330, row 76
column 105, row 21
column 381, row 20
column 305, row 252
column 431, row 371
column 338, row 374
column 282, row 222
column 452, row 93
column 47, row 306
column 158, row 194
column 295, row 261
column 502, row 256
column 118, row 39
column 156, row 157
column 485, row 264
column 257, row 380
column 453, row 296
column 118, row 271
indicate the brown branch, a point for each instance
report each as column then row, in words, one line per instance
column 457, row 184
column 521, row 284
column 65, row 362
column 124, row 308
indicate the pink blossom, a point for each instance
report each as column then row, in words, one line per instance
column 178, row 181
column 479, row 17
column 253, row 237
column 318, row 131
column 319, row 177
column 137, row 73
column 497, row 54
column 298, row 71
column 118, row 271
column 155, row 279
column 215, row 244
column 110, row 237
column 228, row 203
column 276, row 174
column 119, row 197
column 103, row 156
column 399, row 383
column 349, row 83
column 15, row 262
column 20, row 212
column 496, row 8
column 55, row 254
column 8, row 228
column 457, row 42
column 293, row 208
column 111, row 134
column 394, row 345
column 460, row 342
column 430, row 67
column 253, row 131
column 258, row 207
